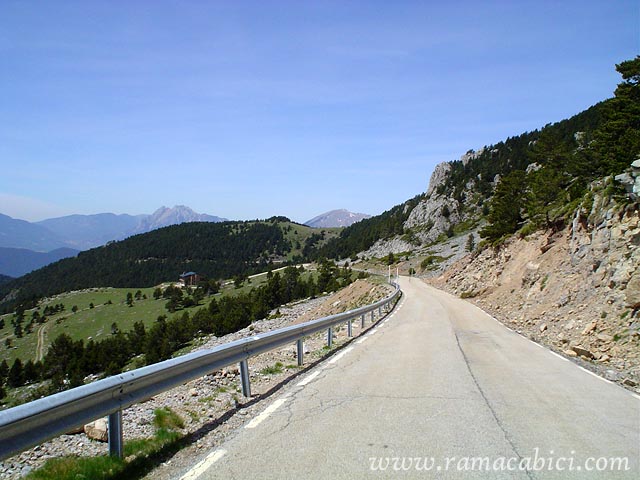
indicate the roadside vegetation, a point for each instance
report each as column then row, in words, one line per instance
column 140, row 455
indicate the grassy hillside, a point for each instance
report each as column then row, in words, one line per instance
column 109, row 307
column 213, row 250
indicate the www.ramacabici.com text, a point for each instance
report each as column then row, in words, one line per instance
column 531, row 463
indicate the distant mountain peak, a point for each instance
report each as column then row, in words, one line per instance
column 336, row 218
column 165, row 216
column 82, row 232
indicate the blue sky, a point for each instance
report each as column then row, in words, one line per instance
column 248, row 109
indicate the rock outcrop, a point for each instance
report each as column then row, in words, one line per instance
column 630, row 180
column 435, row 214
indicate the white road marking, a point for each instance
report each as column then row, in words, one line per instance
column 267, row 412
column 309, row 379
column 362, row 339
column 593, row 374
column 636, row 395
column 558, row 355
column 202, row 466
column 340, row 355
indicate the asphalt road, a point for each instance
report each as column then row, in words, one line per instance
column 439, row 390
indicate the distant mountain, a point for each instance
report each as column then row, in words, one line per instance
column 164, row 217
column 87, row 231
column 336, row 218
column 16, row 233
column 4, row 279
column 82, row 232
column 16, row 262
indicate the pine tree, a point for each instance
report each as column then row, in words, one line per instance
column 471, row 243
column 506, row 206
column 617, row 142
column 15, row 378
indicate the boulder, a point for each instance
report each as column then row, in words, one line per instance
column 97, row 430
column 582, row 352
column 589, row 328
column 632, row 292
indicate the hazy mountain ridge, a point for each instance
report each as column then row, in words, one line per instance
column 87, row 231
column 27, row 246
column 16, row 262
column 16, row 233
column 336, row 218
column 82, row 232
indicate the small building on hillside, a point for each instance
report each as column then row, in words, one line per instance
column 189, row 279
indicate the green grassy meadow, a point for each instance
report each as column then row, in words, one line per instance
column 86, row 323
column 109, row 306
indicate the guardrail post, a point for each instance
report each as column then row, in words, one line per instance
column 380, row 311
column 362, row 321
column 115, row 434
column 350, row 328
column 244, row 378
column 329, row 337
column 373, row 313
column 300, row 351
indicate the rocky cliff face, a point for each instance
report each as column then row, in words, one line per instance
column 433, row 217
column 438, row 211
column 576, row 291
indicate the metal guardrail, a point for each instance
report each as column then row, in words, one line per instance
column 33, row 423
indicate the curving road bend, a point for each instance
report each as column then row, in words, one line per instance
column 439, row 390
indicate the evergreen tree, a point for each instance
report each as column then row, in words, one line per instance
column 506, row 206
column 15, row 377
column 617, row 143
column 4, row 370
column 30, row 372
column 471, row 243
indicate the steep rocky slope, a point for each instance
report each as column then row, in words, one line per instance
column 576, row 290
